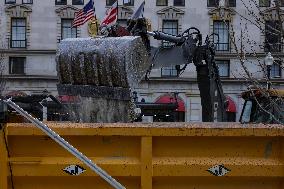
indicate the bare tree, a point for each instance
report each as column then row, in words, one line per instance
column 2, row 65
column 2, row 79
column 245, row 46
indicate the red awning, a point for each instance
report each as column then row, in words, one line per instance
column 231, row 106
column 16, row 94
column 68, row 99
column 170, row 99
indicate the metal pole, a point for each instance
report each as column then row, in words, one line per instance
column 44, row 109
column 65, row 145
column 268, row 76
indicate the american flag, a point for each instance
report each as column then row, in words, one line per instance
column 84, row 14
column 111, row 16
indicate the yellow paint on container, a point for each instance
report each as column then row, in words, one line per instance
column 146, row 156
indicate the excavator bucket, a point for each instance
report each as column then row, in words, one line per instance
column 110, row 61
column 101, row 72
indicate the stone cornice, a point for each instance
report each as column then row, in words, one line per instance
column 170, row 9
column 271, row 10
column 224, row 80
column 17, row 10
column 25, row 51
column 62, row 9
column 217, row 10
column 30, row 77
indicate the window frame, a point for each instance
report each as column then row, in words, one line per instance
column 30, row 3
column 67, row 19
column 227, row 2
column 57, row 3
column 223, row 29
column 182, row 5
column 234, row 3
column 272, row 72
column 11, row 37
column 78, row 4
column 210, row 5
column 128, row 4
column 10, row 2
column 228, row 68
column 269, row 4
column 24, row 65
column 173, row 72
column 277, row 47
column 166, row 4
column 281, row 3
column 110, row 4
column 163, row 23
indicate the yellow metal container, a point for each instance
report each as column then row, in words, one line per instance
column 146, row 156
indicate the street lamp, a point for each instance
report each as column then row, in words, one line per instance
column 135, row 96
column 268, row 62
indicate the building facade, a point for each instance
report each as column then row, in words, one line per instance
column 31, row 30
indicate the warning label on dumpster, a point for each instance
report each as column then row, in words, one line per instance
column 219, row 170
column 74, row 170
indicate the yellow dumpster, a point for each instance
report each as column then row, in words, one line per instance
column 146, row 156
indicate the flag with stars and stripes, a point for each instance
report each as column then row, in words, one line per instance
column 84, row 14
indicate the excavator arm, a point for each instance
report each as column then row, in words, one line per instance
column 188, row 48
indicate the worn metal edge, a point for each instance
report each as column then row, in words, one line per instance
column 153, row 129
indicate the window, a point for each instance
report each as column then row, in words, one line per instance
column 10, row 1
column 18, row 33
column 27, row 1
column 128, row 2
column 224, row 67
column 110, row 2
column 60, row 2
column 67, row 31
column 232, row 3
column 169, row 72
column 276, row 70
column 221, row 28
column 77, row 2
column 179, row 2
column 281, row 2
column 162, row 2
column 212, row 3
column 170, row 27
column 17, row 65
column 215, row 3
column 264, row 3
column 272, row 36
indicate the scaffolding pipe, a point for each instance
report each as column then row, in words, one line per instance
column 65, row 145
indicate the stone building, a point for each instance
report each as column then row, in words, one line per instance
column 30, row 31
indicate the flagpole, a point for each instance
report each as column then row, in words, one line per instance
column 143, row 9
column 117, row 9
column 96, row 21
